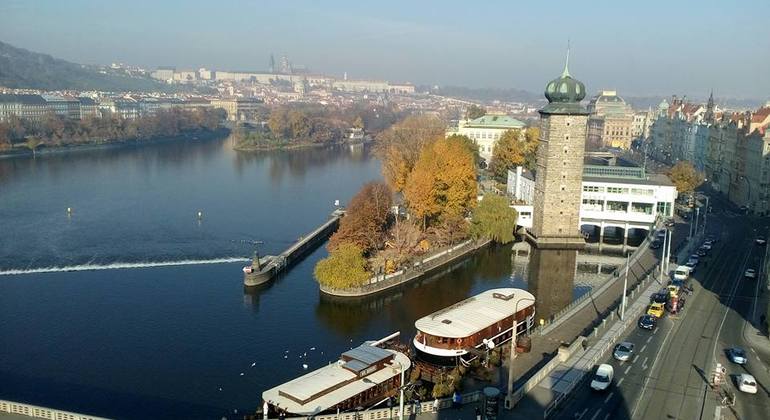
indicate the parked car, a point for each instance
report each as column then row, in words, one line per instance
column 673, row 290
column 669, row 223
column 746, row 383
column 750, row 273
column 707, row 245
column 695, row 257
column 760, row 240
column 701, row 252
column 737, row 355
column 659, row 297
column 691, row 265
column 712, row 238
column 648, row 322
column 682, row 272
column 603, row 377
column 656, row 309
column 623, row 351
column 657, row 243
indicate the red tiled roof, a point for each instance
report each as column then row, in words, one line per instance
column 760, row 115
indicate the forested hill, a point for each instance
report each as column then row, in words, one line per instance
column 20, row 68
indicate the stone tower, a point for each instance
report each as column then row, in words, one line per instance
column 558, row 181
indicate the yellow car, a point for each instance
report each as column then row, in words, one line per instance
column 656, row 309
column 673, row 290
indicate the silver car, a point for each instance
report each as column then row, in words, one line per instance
column 623, row 351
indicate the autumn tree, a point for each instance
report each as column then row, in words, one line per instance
column 685, row 177
column 470, row 145
column 474, row 111
column 366, row 219
column 531, row 142
column 494, row 219
column 443, row 182
column 509, row 152
column 400, row 146
column 345, row 267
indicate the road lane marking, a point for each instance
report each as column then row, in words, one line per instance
column 635, row 358
column 608, row 397
column 643, row 348
column 596, row 414
column 607, row 416
column 627, row 369
column 649, row 339
column 582, row 413
column 620, row 381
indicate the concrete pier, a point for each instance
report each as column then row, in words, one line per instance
column 266, row 268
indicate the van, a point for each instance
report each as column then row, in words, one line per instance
column 682, row 272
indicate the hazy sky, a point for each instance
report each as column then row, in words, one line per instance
column 637, row 47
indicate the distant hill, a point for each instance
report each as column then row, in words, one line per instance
column 20, row 68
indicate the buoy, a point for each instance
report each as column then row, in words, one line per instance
column 285, row 357
column 69, row 210
column 242, row 373
column 304, row 366
column 312, row 348
column 253, row 364
column 200, row 214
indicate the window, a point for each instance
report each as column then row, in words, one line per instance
column 645, row 208
column 664, row 208
column 618, row 206
column 617, row 190
column 592, row 188
column 593, row 205
column 642, row 191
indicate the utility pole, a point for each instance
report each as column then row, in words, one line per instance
column 670, row 236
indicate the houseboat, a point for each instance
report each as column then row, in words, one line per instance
column 362, row 377
column 461, row 331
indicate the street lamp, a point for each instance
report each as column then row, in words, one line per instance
column 514, row 336
column 401, row 387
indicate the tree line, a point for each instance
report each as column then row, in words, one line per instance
column 56, row 130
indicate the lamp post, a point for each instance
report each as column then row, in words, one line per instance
column 625, row 286
column 401, row 393
column 514, row 336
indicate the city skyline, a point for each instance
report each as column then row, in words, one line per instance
column 453, row 45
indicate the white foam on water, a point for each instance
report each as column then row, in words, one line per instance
column 120, row 266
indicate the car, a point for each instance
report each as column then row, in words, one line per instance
column 623, row 351
column 707, row 245
column 648, row 322
column 746, row 383
column 737, row 355
column 750, row 273
column 661, row 234
column 691, row 265
column 603, row 377
column 657, row 243
column 701, row 252
column 659, row 297
column 695, row 257
column 669, row 223
column 712, row 238
column 656, row 309
column 760, row 240
column 672, row 289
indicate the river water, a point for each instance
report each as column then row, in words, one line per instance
column 131, row 306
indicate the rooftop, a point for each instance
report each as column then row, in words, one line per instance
column 475, row 313
column 324, row 388
column 495, row 121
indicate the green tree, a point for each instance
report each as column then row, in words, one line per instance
column 685, row 177
column 494, row 219
column 509, row 152
column 474, row 111
column 345, row 267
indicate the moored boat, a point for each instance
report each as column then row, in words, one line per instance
column 477, row 323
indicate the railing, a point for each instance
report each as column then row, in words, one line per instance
column 42, row 412
column 413, row 271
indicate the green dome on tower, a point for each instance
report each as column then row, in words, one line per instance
column 564, row 94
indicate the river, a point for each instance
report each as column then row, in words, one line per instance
column 131, row 306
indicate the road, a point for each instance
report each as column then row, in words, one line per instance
column 668, row 376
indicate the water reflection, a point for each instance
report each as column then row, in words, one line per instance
column 551, row 279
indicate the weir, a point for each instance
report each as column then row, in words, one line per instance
column 266, row 268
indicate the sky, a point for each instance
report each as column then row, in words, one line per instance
column 647, row 48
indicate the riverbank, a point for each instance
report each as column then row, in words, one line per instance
column 293, row 146
column 200, row 135
column 418, row 269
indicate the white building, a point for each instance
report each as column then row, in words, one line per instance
column 521, row 185
column 486, row 131
column 613, row 197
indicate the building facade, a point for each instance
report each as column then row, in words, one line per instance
column 611, row 121
column 486, row 131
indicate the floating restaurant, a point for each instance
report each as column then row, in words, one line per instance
column 475, row 324
column 362, row 377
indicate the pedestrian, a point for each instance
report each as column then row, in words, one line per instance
column 478, row 414
column 435, row 405
column 585, row 344
column 457, row 400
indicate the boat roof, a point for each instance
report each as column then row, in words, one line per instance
column 326, row 387
column 471, row 315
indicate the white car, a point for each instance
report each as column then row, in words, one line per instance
column 603, row 377
column 750, row 273
column 747, row 383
